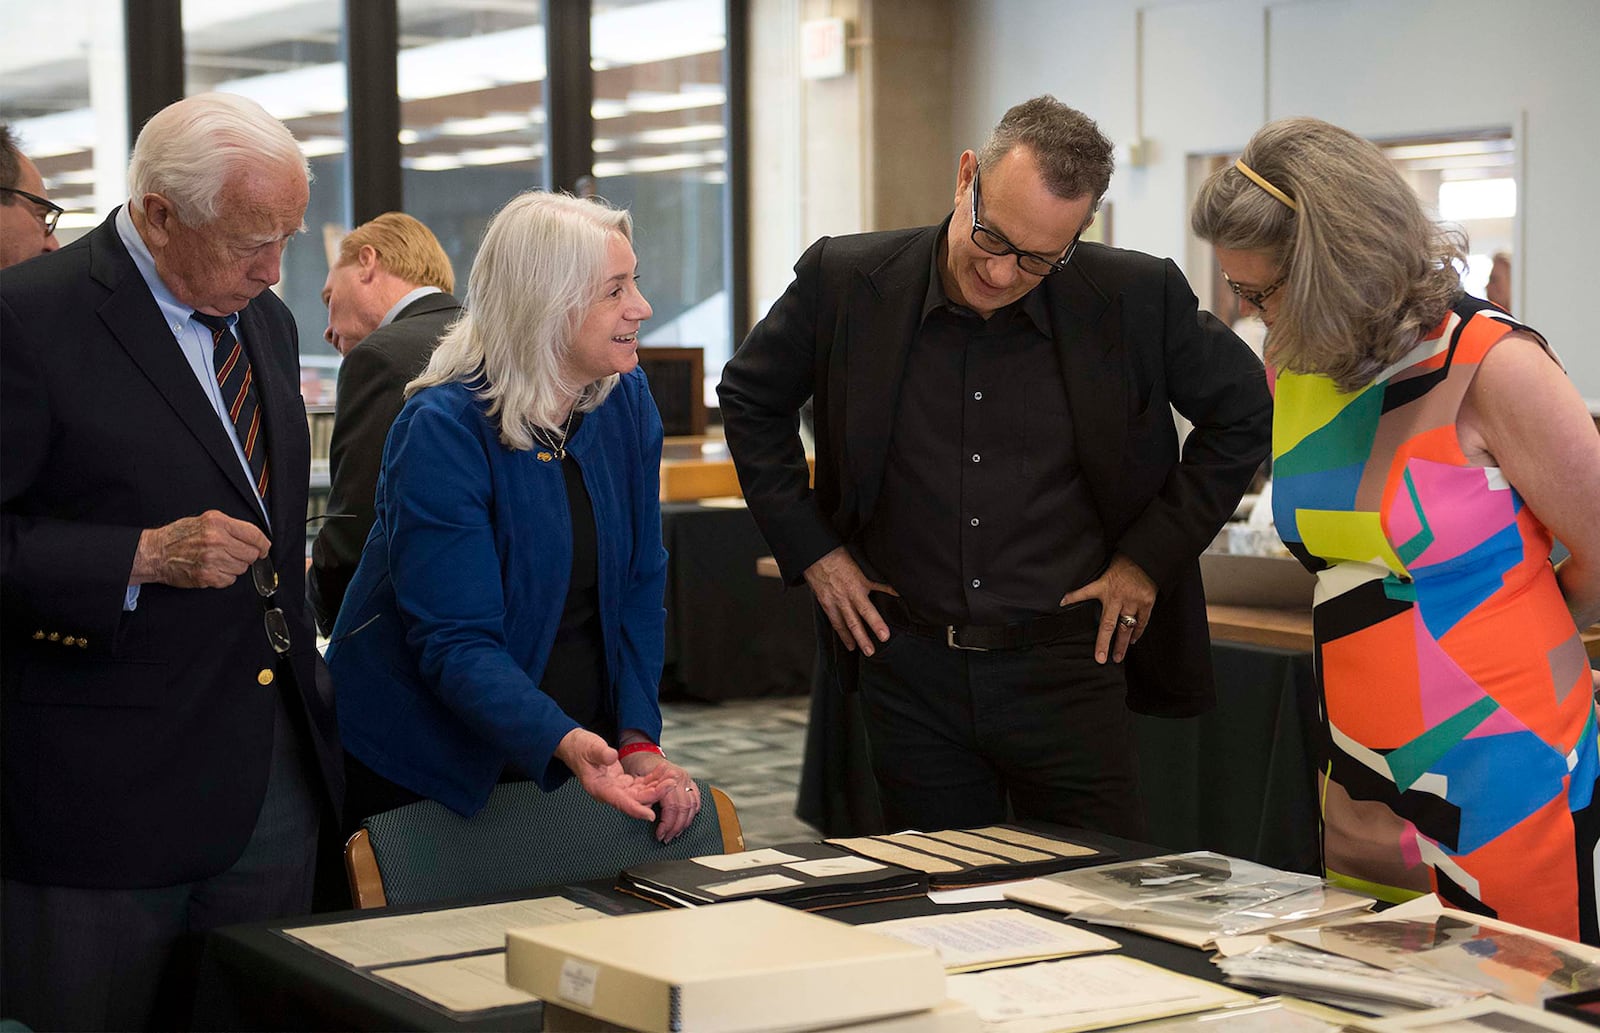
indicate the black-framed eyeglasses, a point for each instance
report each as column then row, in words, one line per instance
column 265, row 577
column 1255, row 298
column 50, row 214
column 1030, row 262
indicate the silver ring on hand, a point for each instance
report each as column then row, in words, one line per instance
column 1128, row 620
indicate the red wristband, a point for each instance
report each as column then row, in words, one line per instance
column 640, row 747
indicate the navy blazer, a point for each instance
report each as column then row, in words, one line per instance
column 137, row 744
column 448, row 623
column 1132, row 346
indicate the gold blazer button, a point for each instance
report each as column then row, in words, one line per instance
column 83, row 643
column 266, row 676
column 55, row 636
column 70, row 640
column 38, row 636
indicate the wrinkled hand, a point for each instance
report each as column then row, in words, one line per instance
column 1124, row 589
column 206, row 551
column 594, row 764
column 841, row 590
column 671, row 789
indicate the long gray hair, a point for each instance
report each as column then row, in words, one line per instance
column 1368, row 273
column 540, row 267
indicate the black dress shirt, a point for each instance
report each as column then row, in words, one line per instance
column 984, row 516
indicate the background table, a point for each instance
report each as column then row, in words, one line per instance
column 730, row 633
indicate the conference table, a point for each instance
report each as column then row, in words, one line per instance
column 253, row 977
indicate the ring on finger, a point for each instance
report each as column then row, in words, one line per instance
column 1128, row 620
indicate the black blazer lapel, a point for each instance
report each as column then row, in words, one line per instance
column 1088, row 330
column 132, row 318
column 879, row 321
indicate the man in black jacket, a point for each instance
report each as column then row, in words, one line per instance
column 389, row 301
column 1002, row 536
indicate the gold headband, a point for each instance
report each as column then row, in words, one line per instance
column 1261, row 181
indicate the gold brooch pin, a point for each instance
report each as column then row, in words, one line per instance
column 545, row 457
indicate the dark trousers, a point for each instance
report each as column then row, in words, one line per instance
column 123, row 959
column 957, row 735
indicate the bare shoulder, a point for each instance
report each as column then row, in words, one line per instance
column 1518, row 383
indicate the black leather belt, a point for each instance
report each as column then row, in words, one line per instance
column 1079, row 617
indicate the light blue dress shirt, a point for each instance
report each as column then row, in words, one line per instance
column 194, row 340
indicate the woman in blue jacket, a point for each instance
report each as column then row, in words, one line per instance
column 506, row 618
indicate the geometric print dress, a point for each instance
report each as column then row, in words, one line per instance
column 1460, row 747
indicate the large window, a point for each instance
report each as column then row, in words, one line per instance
column 471, row 80
column 61, row 88
column 285, row 56
column 472, row 114
column 661, row 150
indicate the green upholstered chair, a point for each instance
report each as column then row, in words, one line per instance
column 425, row 853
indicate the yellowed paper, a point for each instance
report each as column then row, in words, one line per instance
column 472, row 983
column 391, row 939
column 885, row 850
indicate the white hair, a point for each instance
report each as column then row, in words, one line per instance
column 189, row 150
column 539, row 269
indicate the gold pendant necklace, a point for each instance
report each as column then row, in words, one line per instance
column 557, row 449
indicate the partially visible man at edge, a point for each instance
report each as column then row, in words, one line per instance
column 168, row 748
column 389, row 301
column 27, row 215
column 1001, row 515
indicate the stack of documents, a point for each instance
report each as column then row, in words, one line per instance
column 1418, row 955
column 746, row 967
column 1191, row 898
column 1094, row 992
column 809, row 876
column 973, row 857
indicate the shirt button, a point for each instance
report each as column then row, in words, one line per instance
column 977, row 583
column 974, row 521
column 977, row 396
column 976, row 458
column 265, row 676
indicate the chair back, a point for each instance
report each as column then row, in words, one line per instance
column 425, row 853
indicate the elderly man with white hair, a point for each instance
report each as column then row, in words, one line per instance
column 167, row 752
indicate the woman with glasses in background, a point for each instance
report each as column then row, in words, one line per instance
column 1426, row 446
column 506, row 619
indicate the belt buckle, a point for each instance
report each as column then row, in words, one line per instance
column 950, row 640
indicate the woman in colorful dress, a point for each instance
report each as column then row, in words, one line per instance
column 1426, row 446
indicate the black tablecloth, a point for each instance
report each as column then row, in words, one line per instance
column 254, row 978
column 1238, row 780
column 730, row 632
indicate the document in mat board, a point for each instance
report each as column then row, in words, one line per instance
column 1509, row 961
column 803, row 875
column 476, row 982
column 964, row 857
column 390, row 939
column 972, row 940
column 1083, row 994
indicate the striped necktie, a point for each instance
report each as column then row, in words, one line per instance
column 237, row 381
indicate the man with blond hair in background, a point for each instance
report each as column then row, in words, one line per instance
column 389, row 301
column 167, row 751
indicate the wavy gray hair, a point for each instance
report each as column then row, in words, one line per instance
column 540, row 267
column 1368, row 273
column 188, row 151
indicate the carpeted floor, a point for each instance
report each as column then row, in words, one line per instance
column 750, row 749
